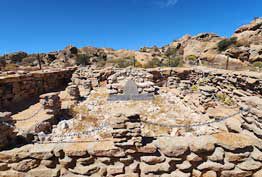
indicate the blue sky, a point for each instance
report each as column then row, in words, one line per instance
column 48, row 25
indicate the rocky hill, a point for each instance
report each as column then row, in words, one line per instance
column 243, row 49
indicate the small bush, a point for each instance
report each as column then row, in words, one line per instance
column 225, row 43
column 138, row 64
column 174, row 62
column 155, row 62
column 82, row 59
column 122, row 63
column 257, row 64
column 10, row 66
column 194, row 88
column 225, row 99
column 191, row 58
column 171, row 52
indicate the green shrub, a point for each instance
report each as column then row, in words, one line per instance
column 225, row 43
column 171, row 51
column 174, row 62
column 194, row 88
column 82, row 59
column 191, row 58
column 138, row 65
column 10, row 66
column 123, row 62
column 257, row 64
column 228, row 101
column 225, row 99
column 155, row 62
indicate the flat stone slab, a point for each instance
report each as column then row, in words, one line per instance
column 130, row 93
column 130, row 97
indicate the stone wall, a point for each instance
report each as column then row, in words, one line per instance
column 130, row 153
column 7, row 130
column 238, row 83
column 142, row 78
column 91, row 77
column 16, row 88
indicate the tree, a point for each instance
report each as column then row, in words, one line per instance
column 225, row 43
column 39, row 61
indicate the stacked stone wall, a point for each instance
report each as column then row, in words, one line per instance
column 16, row 88
column 130, row 153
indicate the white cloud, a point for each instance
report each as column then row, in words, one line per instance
column 160, row 3
column 166, row 3
column 169, row 3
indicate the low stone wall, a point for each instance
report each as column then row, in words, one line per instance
column 131, row 154
column 90, row 77
column 142, row 78
column 18, row 87
column 236, row 82
column 7, row 130
column 239, row 83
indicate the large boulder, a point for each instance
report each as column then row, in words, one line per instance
column 200, row 44
column 250, row 33
column 255, row 53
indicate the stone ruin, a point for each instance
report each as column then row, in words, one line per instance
column 130, row 93
column 142, row 78
column 201, row 122
column 7, row 130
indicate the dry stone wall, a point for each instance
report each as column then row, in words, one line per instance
column 18, row 87
column 131, row 154
column 237, row 83
column 142, row 78
column 7, row 130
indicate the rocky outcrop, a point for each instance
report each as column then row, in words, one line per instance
column 250, row 33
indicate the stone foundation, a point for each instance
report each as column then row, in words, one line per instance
column 130, row 154
column 16, row 88
column 7, row 134
column 235, row 152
